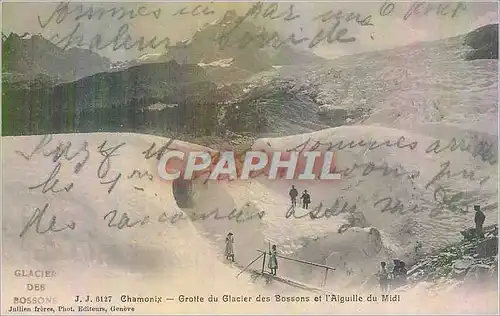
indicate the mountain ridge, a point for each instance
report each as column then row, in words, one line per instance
column 294, row 99
column 117, row 98
column 23, row 59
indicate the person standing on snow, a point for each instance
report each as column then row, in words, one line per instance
column 229, row 252
column 383, row 277
column 306, row 199
column 273, row 261
column 293, row 195
column 479, row 220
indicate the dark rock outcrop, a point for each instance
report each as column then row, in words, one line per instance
column 487, row 248
column 484, row 41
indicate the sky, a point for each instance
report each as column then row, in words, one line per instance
column 388, row 31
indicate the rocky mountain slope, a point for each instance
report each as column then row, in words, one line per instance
column 469, row 264
column 484, row 41
column 468, row 260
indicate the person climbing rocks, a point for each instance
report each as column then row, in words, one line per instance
column 479, row 220
column 383, row 277
column 306, row 199
column 273, row 261
column 293, row 195
column 229, row 252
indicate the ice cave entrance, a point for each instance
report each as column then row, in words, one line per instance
column 183, row 192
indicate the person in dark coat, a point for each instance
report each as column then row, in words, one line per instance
column 402, row 272
column 306, row 199
column 479, row 220
column 229, row 252
column 395, row 273
column 293, row 195
column 273, row 260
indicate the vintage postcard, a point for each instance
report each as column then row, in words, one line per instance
column 249, row 158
